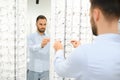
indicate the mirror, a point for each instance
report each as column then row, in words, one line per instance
column 38, row 55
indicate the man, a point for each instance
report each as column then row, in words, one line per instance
column 38, row 47
column 101, row 59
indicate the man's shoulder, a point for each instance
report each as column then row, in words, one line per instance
column 32, row 35
column 85, row 47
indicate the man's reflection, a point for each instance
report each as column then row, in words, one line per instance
column 38, row 48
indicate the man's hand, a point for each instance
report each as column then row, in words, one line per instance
column 44, row 42
column 58, row 46
column 75, row 43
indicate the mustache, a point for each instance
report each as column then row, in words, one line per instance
column 42, row 28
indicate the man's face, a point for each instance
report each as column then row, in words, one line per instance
column 41, row 25
column 93, row 24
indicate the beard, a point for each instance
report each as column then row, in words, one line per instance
column 42, row 30
column 94, row 27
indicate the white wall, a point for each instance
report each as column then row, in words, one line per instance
column 43, row 8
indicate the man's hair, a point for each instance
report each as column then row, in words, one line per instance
column 41, row 17
column 109, row 8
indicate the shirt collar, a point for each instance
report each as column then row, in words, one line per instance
column 41, row 35
column 108, row 37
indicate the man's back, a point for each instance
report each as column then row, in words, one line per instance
column 103, row 58
column 97, row 61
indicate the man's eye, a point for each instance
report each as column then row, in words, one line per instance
column 41, row 24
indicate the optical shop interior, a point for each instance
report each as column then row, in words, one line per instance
column 62, row 20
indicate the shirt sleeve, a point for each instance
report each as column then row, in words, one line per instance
column 71, row 66
column 36, row 48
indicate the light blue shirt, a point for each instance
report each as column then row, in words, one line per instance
column 38, row 58
column 97, row 61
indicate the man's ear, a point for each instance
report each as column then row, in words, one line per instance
column 96, row 14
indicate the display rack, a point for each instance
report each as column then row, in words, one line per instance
column 13, row 39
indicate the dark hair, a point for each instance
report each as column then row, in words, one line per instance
column 41, row 17
column 109, row 8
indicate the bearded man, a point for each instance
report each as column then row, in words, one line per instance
column 101, row 59
column 38, row 52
